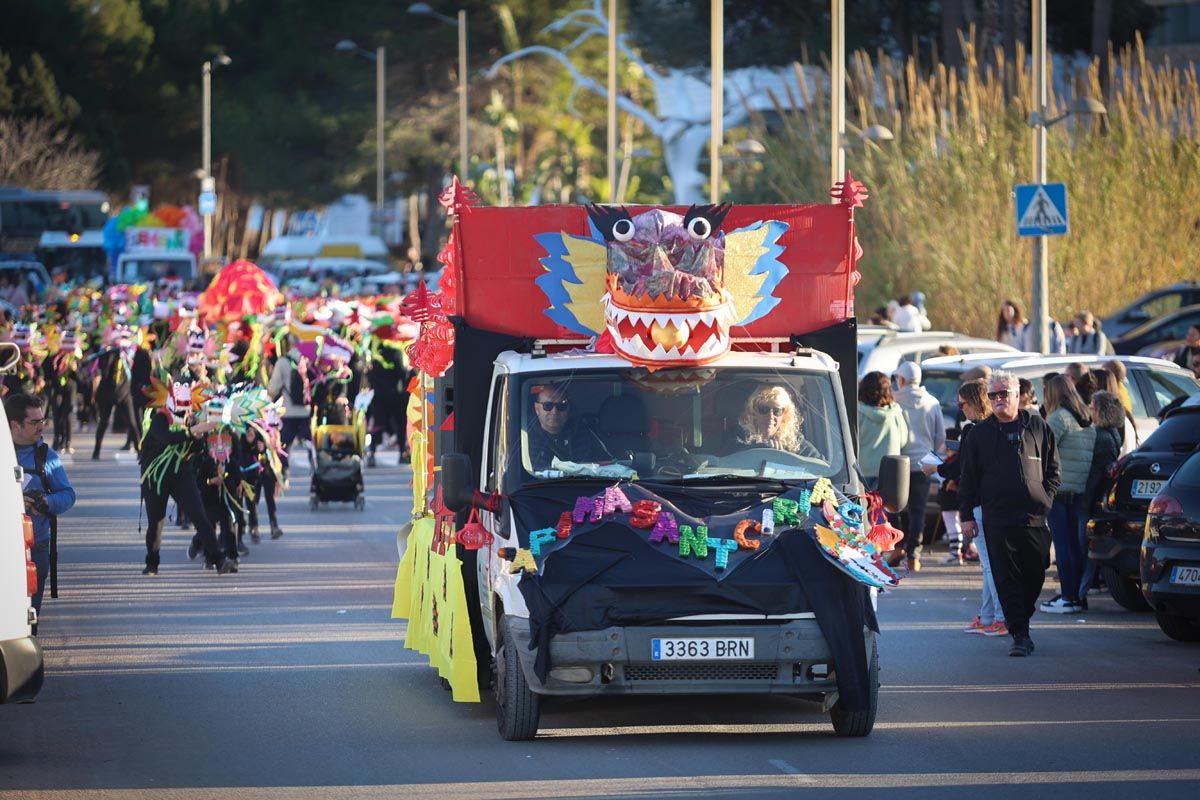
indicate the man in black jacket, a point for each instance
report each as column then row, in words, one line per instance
column 1010, row 468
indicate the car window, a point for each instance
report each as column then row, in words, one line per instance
column 1137, row 394
column 1163, row 304
column 1188, row 473
column 1164, row 389
column 1177, row 328
column 1179, row 432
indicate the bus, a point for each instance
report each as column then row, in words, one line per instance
column 61, row 229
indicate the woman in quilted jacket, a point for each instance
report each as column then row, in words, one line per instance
column 1069, row 420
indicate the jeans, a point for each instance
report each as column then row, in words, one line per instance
column 41, row 558
column 989, row 602
column 1066, row 519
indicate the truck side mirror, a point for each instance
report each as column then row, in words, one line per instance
column 893, row 482
column 457, row 490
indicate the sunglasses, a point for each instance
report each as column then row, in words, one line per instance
column 772, row 410
column 551, row 405
column 997, row 396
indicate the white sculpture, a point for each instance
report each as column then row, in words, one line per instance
column 681, row 119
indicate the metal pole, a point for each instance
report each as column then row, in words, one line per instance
column 380, row 72
column 837, row 91
column 206, row 147
column 464, row 162
column 718, row 100
column 612, row 101
column 1040, row 311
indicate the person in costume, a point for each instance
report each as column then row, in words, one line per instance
column 168, row 457
column 262, row 470
column 387, row 376
column 114, row 385
column 60, row 370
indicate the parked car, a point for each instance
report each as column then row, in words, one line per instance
column 1115, row 532
column 21, row 667
column 1165, row 328
column 1152, row 382
column 1170, row 555
column 1150, row 306
column 32, row 271
column 883, row 349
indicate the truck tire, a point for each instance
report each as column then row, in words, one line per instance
column 1126, row 591
column 1181, row 629
column 850, row 724
column 517, row 708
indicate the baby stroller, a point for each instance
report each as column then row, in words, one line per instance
column 338, row 476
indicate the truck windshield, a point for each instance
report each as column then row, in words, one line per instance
column 683, row 424
column 136, row 270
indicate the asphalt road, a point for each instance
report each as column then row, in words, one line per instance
column 289, row 680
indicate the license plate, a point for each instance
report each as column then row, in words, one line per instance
column 693, row 649
column 1146, row 490
column 1186, row 576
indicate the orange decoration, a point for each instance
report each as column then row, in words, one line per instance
column 739, row 534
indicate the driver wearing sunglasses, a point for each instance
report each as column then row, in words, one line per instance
column 771, row 419
column 558, row 433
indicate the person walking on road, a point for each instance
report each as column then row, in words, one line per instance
column 1075, row 438
column 1010, row 469
column 47, row 491
column 927, row 431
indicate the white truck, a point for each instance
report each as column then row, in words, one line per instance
column 644, row 538
column 21, row 669
column 155, row 254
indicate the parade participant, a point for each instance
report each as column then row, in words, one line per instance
column 47, row 491
column 1010, row 469
column 262, row 469
column 113, row 386
column 387, row 375
column 60, row 371
column 289, row 383
column 169, row 450
column 770, row 419
column 219, row 482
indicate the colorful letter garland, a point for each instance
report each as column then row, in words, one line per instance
column 842, row 537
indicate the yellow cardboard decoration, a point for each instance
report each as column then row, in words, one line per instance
column 523, row 560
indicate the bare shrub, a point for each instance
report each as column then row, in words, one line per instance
column 37, row 154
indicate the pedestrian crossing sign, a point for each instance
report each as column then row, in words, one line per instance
column 1041, row 209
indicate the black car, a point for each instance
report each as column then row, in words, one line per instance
column 1115, row 530
column 1150, row 306
column 1171, row 554
column 1171, row 326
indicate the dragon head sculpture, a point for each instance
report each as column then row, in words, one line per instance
column 666, row 288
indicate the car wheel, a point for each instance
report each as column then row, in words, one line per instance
column 848, row 724
column 517, row 707
column 1126, row 591
column 1181, row 629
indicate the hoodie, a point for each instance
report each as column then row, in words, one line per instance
column 925, row 423
column 882, row 431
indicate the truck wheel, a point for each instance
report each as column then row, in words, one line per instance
column 849, row 724
column 1181, row 629
column 517, row 708
column 1126, row 591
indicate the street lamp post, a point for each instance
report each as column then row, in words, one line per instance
column 206, row 138
column 424, row 9
column 1040, row 307
column 380, row 59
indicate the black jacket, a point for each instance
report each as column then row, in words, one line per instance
column 1014, row 485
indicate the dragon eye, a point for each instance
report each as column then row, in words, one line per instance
column 622, row 230
column 699, row 228
column 702, row 221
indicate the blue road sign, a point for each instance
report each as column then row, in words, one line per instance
column 1041, row 209
column 208, row 203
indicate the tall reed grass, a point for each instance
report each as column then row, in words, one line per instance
column 941, row 218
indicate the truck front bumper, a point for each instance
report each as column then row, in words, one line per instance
column 21, row 669
column 790, row 657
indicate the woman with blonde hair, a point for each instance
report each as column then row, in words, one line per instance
column 1070, row 422
column 771, row 419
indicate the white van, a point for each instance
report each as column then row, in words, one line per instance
column 21, row 668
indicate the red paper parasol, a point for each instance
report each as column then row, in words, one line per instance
column 239, row 290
